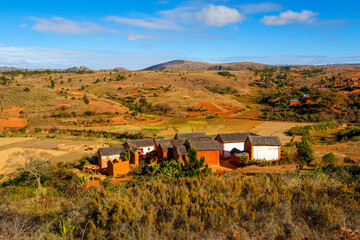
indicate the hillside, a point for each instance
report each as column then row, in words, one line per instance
column 182, row 65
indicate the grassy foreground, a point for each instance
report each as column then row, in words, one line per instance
column 217, row 206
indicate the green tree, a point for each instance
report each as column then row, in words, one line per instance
column 304, row 151
column 194, row 167
column 52, row 83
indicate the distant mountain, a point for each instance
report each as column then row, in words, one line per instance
column 75, row 69
column 239, row 66
column 181, row 65
column 118, row 69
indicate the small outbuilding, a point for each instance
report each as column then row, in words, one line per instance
column 136, row 156
column 163, row 149
column 263, row 147
column 109, row 153
column 118, row 167
column 228, row 141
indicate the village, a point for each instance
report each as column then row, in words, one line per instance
column 118, row 160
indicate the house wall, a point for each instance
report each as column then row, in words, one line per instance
column 234, row 160
column 211, row 157
column 161, row 153
column 147, row 149
column 269, row 153
column 103, row 160
column 229, row 146
column 136, row 157
column 119, row 168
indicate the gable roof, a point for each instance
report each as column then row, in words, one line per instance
column 141, row 142
column 190, row 135
column 134, row 150
column 178, row 141
column 212, row 136
column 235, row 137
column 181, row 149
column 264, row 140
column 166, row 145
column 110, row 151
column 162, row 140
column 204, row 145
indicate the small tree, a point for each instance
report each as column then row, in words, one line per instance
column 52, row 83
column 194, row 167
column 305, row 152
column 37, row 164
column 329, row 158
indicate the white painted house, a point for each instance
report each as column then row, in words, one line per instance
column 263, row 148
column 228, row 141
column 145, row 145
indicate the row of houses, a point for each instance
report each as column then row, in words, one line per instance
column 213, row 147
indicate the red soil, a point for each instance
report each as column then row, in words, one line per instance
column 13, row 123
column 75, row 95
column 11, row 112
column 98, row 106
column 211, row 107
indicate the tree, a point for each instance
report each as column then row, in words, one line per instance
column 194, row 167
column 304, row 151
column 52, row 83
column 32, row 162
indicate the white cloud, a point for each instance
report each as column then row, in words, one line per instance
column 65, row 26
column 135, row 37
column 290, row 17
column 218, row 16
column 153, row 23
column 38, row 57
column 260, row 7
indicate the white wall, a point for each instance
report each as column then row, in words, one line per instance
column 229, row 146
column 266, row 153
column 147, row 149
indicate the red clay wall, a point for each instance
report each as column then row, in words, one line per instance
column 118, row 169
column 211, row 157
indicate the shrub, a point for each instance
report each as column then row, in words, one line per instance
column 329, row 158
column 348, row 160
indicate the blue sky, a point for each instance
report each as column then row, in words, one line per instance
column 136, row 34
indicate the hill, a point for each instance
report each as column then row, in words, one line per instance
column 240, row 66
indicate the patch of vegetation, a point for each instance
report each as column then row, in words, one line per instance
column 226, row 74
column 349, row 133
column 143, row 106
column 218, row 89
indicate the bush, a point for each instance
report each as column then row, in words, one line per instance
column 329, row 158
column 348, row 160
